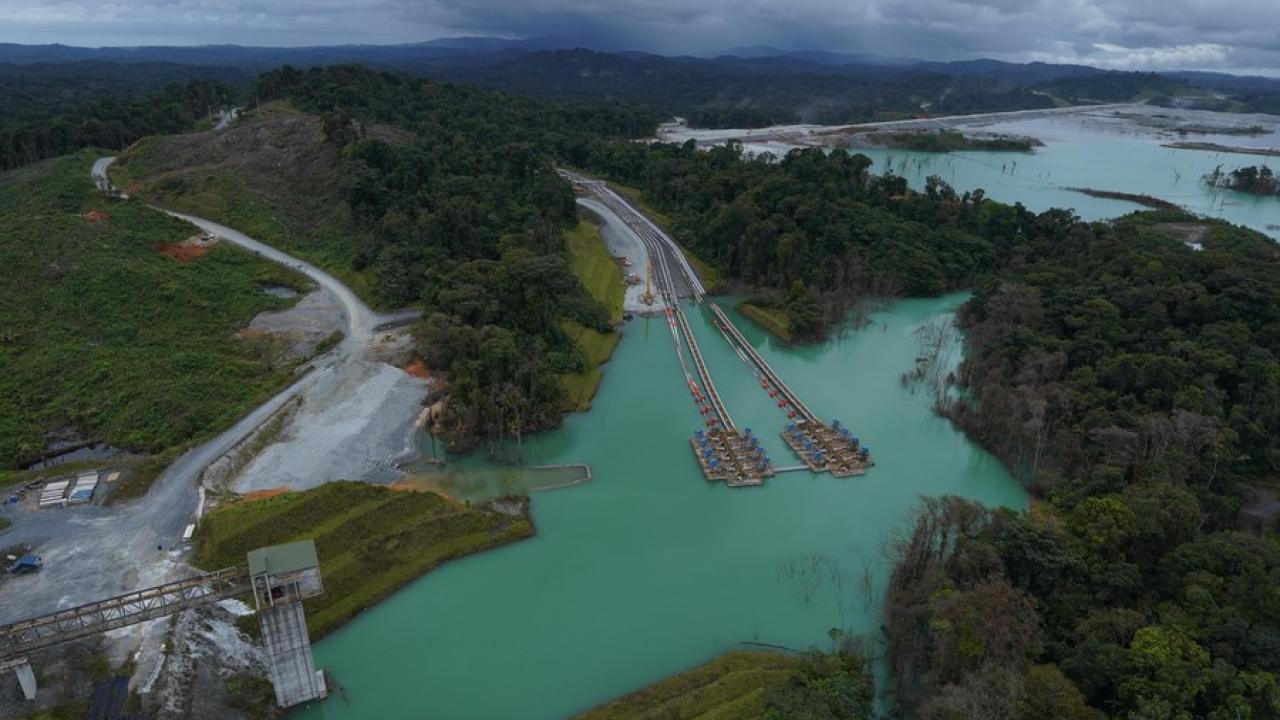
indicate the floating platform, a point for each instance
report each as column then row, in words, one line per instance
column 828, row 449
column 732, row 457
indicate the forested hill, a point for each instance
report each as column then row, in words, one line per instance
column 1134, row 383
column 458, row 210
column 49, row 110
column 732, row 92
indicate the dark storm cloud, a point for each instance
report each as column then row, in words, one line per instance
column 1140, row 34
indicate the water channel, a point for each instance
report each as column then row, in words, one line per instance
column 646, row 569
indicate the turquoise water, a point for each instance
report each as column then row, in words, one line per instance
column 647, row 569
column 1100, row 152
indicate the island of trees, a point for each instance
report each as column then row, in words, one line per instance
column 1254, row 179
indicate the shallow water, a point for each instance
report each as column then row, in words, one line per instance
column 1098, row 150
column 648, row 569
column 480, row 481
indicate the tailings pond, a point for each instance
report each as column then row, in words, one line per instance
column 647, row 569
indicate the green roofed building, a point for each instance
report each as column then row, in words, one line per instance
column 282, row 576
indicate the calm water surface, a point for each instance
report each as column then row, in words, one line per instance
column 1106, row 154
column 648, row 569
column 1104, row 151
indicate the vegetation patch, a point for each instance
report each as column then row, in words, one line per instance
column 732, row 685
column 598, row 272
column 1219, row 148
column 773, row 319
column 273, row 178
column 104, row 335
column 945, row 141
column 597, row 347
column 601, row 276
column 1154, row 203
column 253, row 695
column 1255, row 180
column 750, row 685
column 371, row 540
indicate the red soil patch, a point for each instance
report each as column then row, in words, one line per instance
column 264, row 494
column 183, row 252
column 418, row 370
column 96, row 216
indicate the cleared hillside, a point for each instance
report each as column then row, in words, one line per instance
column 274, row 176
column 371, row 540
column 104, row 336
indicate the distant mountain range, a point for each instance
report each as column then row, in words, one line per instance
column 758, row 58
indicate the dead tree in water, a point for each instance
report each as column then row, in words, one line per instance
column 939, row 339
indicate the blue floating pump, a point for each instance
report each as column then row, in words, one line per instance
column 791, row 426
column 835, row 423
column 747, row 430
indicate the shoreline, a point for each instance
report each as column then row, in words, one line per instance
column 1215, row 147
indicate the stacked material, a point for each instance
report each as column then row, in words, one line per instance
column 84, row 487
column 54, row 494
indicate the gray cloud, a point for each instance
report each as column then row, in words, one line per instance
column 1137, row 34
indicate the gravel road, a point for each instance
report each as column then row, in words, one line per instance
column 353, row 405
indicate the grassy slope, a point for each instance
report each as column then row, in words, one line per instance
column 272, row 176
column 711, row 277
column 731, row 686
column 101, row 333
column 774, row 320
column 601, row 276
column 371, row 540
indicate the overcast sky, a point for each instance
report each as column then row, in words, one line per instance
column 1231, row 35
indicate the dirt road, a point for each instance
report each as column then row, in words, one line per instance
column 93, row 552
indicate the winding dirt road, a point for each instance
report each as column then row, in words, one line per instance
column 92, row 552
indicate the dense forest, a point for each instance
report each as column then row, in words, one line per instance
column 468, row 220
column 737, row 92
column 52, row 110
column 816, row 224
column 1256, row 180
column 719, row 94
column 1134, row 384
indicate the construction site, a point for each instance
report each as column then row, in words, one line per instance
column 724, row 452
column 279, row 578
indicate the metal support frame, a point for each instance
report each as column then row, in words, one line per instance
column 26, row 636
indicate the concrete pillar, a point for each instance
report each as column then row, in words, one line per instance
column 293, row 672
column 26, row 678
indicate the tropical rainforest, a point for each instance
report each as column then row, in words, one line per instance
column 1129, row 379
column 468, row 219
column 1134, row 384
column 49, row 110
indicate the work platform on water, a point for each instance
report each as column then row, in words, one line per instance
column 724, row 452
